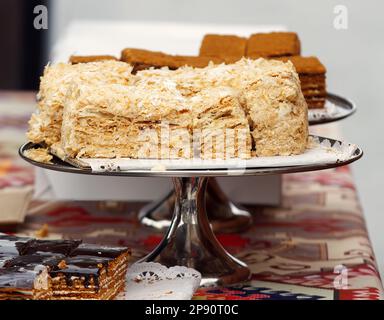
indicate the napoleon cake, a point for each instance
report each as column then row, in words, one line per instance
column 45, row 124
column 142, row 59
column 111, row 121
column 251, row 107
column 269, row 94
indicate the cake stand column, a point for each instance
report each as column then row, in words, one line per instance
column 224, row 215
column 190, row 241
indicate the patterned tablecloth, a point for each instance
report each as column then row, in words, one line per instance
column 314, row 246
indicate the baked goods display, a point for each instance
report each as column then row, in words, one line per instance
column 60, row 269
column 101, row 110
column 214, row 45
column 144, row 59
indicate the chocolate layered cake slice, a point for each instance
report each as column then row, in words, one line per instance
column 117, row 266
column 24, row 283
column 90, row 272
column 223, row 46
column 142, row 59
column 274, row 44
column 27, row 276
column 312, row 74
column 64, row 247
column 89, row 277
column 60, row 269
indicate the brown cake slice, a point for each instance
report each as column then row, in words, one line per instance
column 60, row 269
column 144, row 59
column 11, row 246
column 312, row 78
column 88, row 278
column 223, row 46
column 273, row 44
column 64, row 247
column 86, row 59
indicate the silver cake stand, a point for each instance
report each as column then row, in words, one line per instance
column 189, row 240
column 224, row 215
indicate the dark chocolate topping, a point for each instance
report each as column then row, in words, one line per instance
column 19, row 278
column 53, row 246
column 87, row 267
column 98, row 251
column 44, row 258
column 13, row 244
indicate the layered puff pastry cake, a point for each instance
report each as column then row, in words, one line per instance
column 101, row 110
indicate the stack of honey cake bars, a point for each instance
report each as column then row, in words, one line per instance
column 60, row 269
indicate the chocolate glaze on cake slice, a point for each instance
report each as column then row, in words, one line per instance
column 11, row 246
column 98, row 250
column 87, row 277
column 53, row 246
column 27, row 282
column 60, row 269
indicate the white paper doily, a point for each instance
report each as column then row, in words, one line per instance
column 318, row 153
column 153, row 281
column 329, row 112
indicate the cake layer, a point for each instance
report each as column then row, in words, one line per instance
column 312, row 77
column 306, row 65
column 60, row 269
column 45, row 124
column 86, row 59
column 216, row 45
column 273, row 44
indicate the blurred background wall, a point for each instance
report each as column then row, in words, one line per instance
column 353, row 56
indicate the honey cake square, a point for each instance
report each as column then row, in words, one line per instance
column 273, row 44
column 216, row 45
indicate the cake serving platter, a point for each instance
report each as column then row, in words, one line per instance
column 321, row 153
column 189, row 240
column 336, row 108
